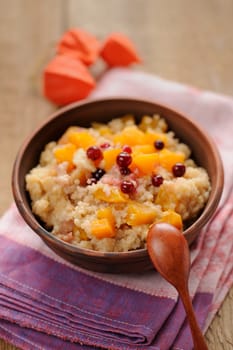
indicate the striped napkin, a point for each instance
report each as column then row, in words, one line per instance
column 47, row 303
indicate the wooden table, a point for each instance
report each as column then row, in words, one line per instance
column 186, row 41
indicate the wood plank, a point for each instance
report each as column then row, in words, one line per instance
column 220, row 333
column 28, row 31
column 186, row 41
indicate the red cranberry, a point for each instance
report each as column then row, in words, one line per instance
column 127, row 149
column 98, row 174
column 157, row 180
column 178, row 169
column 128, row 187
column 159, row 144
column 124, row 159
column 105, row 145
column 94, row 153
column 125, row 171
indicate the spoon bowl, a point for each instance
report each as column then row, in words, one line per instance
column 169, row 254
column 162, row 237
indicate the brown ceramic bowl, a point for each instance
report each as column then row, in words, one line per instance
column 82, row 114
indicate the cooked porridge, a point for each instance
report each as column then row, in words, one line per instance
column 102, row 187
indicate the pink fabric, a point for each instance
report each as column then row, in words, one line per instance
column 34, row 314
column 214, row 113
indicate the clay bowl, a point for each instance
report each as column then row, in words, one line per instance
column 82, row 114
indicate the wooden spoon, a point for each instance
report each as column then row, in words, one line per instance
column 169, row 252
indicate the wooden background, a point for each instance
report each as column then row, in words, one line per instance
column 183, row 40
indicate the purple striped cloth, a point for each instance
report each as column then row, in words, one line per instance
column 47, row 303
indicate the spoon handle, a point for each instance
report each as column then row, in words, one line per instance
column 198, row 338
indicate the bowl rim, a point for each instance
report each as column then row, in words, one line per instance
column 31, row 220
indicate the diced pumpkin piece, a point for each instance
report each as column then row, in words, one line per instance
column 172, row 218
column 131, row 136
column 139, row 214
column 83, row 177
column 110, row 156
column 102, row 228
column 151, row 137
column 106, row 213
column 118, row 50
column 80, row 45
column 114, row 196
column 168, row 158
column 64, row 138
column 145, row 163
column 81, row 139
column 143, row 149
column 166, row 198
column 64, row 153
column 66, row 80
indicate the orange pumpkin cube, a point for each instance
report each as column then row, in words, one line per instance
column 131, row 136
column 81, row 139
column 64, row 153
column 110, row 156
column 145, row 163
column 139, row 214
column 115, row 196
column 172, row 218
column 102, row 228
column 65, row 137
column 168, row 158
column 106, row 213
column 143, row 149
column 151, row 137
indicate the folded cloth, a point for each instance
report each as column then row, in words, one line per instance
column 47, row 303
